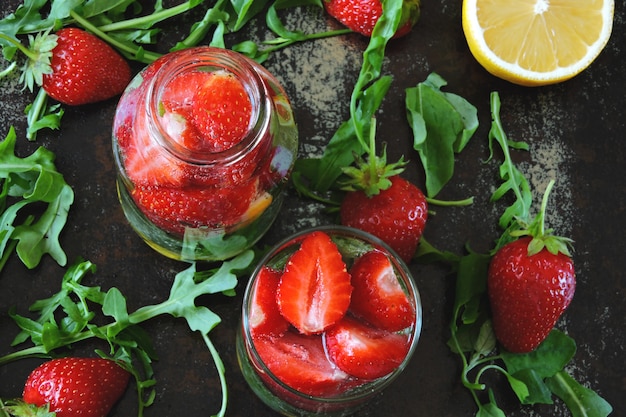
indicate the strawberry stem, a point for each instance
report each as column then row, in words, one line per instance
column 33, row 56
column 542, row 212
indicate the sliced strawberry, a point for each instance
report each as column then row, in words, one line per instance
column 179, row 92
column 314, row 291
column 300, row 362
column 221, row 112
column 378, row 296
column 174, row 209
column 265, row 319
column 363, row 351
column 146, row 163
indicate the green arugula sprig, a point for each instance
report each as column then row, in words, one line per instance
column 314, row 176
column 29, row 182
column 70, row 316
column 534, row 377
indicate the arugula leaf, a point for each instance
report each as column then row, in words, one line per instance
column 581, row 401
column 513, row 179
column 32, row 180
column 442, row 124
column 69, row 317
column 351, row 138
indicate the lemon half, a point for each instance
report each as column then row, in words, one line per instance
column 537, row 42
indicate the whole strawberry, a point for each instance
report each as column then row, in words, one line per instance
column 74, row 67
column 384, row 204
column 84, row 69
column 362, row 15
column 73, row 387
column 530, row 282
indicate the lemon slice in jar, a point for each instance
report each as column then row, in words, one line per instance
column 536, row 42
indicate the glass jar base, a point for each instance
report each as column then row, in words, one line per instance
column 198, row 244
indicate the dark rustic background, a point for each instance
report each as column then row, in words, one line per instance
column 576, row 133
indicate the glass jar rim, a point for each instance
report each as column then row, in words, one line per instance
column 366, row 389
column 215, row 59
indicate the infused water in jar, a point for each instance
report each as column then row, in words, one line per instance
column 204, row 141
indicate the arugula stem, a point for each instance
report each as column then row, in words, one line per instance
column 450, row 203
column 221, row 372
column 139, row 54
column 8, row 69
column 27, row 52
column 36, row 112
column 486, row 368
column 149, row 20
column 497, row 123
column 280, row 43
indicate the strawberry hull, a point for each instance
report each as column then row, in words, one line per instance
column 204, row 141
column 337, row 362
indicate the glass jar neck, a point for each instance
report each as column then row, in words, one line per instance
column 210, row 59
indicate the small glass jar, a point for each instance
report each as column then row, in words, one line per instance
column 351, row 393
column 194, row 192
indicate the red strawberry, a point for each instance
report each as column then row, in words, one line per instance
column 528, row 293
column 85, row 387
column 363, row 351
column 361, row 15
column 75, row 67
column 265, row 319
column 385, row 205
column 314, row 291
column 146, row 164
column 530, row 282
column 174, row 209
column 300, row 362
column 378, row 296
column 221, row 112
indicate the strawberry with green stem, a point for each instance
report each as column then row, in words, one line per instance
column 531, row 281
column 74, row 67
column 384, row 204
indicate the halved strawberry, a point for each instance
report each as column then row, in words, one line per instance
column 364, row 351
column 300, row 362
column 180, row 91
column 314, row 291
column 378, row 296
column 221, row 112
column 146, row 163
column 174, row 209
column 265, row 319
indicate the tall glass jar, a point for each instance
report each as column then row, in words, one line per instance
column 204, row 141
